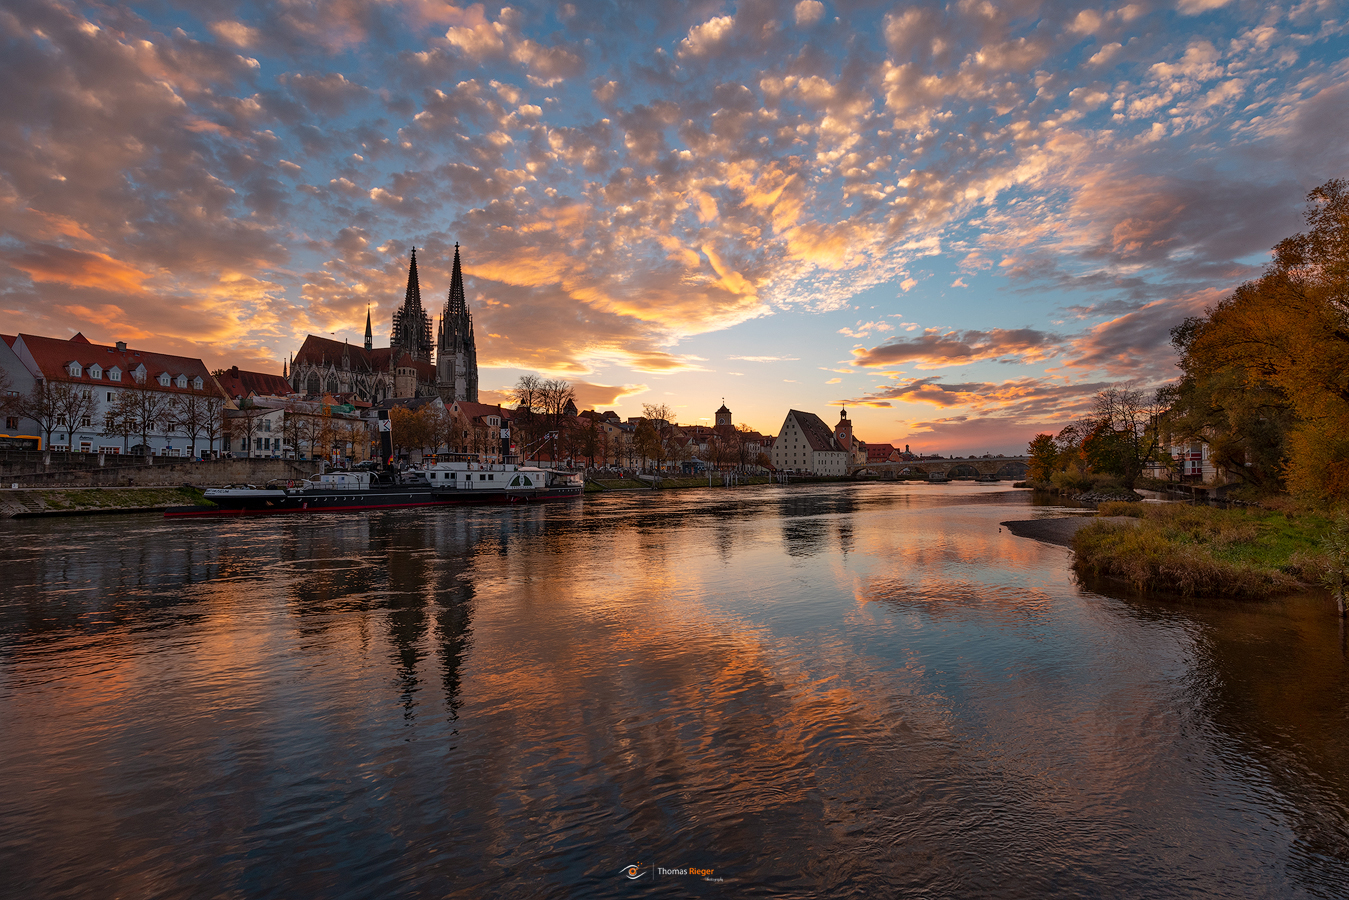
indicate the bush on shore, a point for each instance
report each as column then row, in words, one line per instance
column 1199, row 550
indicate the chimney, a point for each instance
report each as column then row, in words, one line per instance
column 121, row 346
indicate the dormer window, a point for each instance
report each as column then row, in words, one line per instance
column 163, row 379
column 139, row 373
column 96, row 371
column 114, row 374
column 196, row 383
column 182, row 381
column 74, row 369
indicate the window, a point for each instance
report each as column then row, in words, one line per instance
column 86, row 422
column 266, row 424
column 114, row 374
column 196, row 383
column 95, row 371
column 182, row 381
column 109, row 396
column 11, row 421
column 163, row 379
column 257, row 443
column 74, row 369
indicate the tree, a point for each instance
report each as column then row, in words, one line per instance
column 145, row 409
column 1123, row 433
column 42, row 405
column 1044, row 458
column 243, row 425
column 190, row 413
column 213, row 422
column 75, row 406
column 1284, row 339
column 652, row 442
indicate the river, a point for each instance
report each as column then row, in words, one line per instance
column 841, row 690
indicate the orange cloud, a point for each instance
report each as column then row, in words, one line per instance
column 47, row 263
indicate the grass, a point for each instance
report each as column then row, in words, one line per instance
column 1193, row 550
column 117, row 498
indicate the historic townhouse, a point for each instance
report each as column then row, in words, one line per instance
column 805, row 444
column 106, row 377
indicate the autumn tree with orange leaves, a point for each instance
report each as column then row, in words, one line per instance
column 1266, row 371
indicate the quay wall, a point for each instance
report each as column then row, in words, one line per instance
column 121, row 471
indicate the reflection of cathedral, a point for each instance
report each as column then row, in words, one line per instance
column 404, row 369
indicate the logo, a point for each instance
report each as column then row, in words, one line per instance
column 633, row 872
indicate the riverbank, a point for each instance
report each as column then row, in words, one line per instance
column 1177, row 548
column 28, row 504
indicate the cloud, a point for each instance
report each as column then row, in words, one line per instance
column 937, row 349
column 708, row 37
column 808, row 12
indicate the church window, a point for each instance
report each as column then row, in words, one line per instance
column 312, row 385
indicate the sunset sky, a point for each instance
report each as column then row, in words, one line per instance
column 961, row 220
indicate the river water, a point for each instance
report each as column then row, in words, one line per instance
column 842, row 691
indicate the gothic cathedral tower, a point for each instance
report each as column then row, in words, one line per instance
column 411, row 325
column 456, row 353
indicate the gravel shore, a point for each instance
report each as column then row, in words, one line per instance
column 1060, row 529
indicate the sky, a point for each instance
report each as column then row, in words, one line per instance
column 958, row 221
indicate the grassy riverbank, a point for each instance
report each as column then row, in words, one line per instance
column 77, row 501
column 1201, row 550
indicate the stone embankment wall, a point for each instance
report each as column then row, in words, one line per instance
column 123, row 471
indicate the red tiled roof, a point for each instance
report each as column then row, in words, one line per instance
column 238, row 383
column 474, row 410
column 53, row 355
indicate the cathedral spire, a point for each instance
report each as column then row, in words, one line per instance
column 369, row 336
column 411, row 325
column 455, row 303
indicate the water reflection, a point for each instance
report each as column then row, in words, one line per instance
column 838, row 691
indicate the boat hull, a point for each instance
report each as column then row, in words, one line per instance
column 299, row 502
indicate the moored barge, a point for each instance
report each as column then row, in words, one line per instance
column 439, row 484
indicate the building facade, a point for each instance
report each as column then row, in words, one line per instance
column 806, row 444
column 125, row 400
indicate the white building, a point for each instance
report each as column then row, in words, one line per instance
column 806, row 444
column 103, row 374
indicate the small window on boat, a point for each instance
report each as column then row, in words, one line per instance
column 491, row 478
column 528, row 481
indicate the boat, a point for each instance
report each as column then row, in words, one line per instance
column 451, row 483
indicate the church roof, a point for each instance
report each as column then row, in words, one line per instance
column 723, row 409
column 238, row 383
column 318, row 351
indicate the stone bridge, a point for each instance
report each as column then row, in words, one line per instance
column 969, row 467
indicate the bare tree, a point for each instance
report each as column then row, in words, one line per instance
column 42, row 405
column 213, row 423
column 244, row 424
column 75, row 407
column 190, row 414
column 145, row 408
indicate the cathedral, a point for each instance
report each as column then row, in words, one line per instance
column 405, row 368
